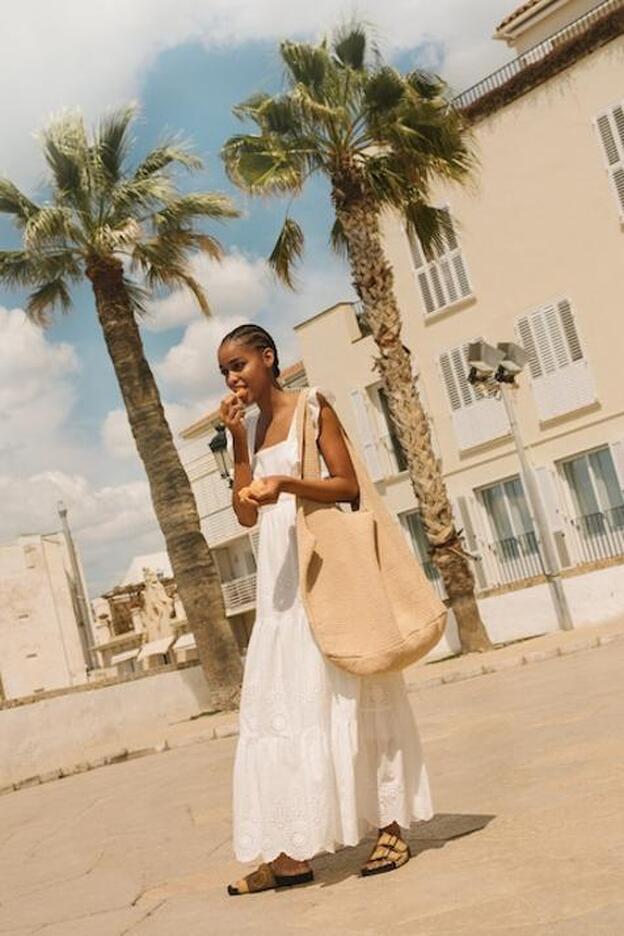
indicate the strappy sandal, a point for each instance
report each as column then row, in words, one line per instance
column 390, row 852
column 265, row 878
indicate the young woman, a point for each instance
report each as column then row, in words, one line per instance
column 323, row 756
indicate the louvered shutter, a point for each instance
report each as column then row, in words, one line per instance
column 617, row 453
column 562, row 381
column 444, row 279
column 366, row 434
column 464, row 521
column 610, row 127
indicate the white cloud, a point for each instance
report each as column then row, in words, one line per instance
column 235, row 286
column 117, row 438
column 36, row 387
column 190, row 367
column 63, row 53
column 101, row 519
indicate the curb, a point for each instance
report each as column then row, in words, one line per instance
column 231, row 730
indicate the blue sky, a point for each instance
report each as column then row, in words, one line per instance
column 62, row 431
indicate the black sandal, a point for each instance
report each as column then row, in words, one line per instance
column 390, row 852
column 265, row 878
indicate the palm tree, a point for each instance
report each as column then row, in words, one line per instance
column 106, row 220
column 379, row 138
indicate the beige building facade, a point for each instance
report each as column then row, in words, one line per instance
column 537, row 258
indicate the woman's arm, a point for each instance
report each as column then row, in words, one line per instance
column 246, row 513
column 343, row 484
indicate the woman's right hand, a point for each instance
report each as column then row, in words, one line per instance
column 232, row 410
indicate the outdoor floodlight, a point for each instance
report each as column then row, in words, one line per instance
column 514, row 356
column 484, row 357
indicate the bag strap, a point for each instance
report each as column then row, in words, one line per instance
column 309, row 457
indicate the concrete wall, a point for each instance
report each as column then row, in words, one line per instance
column 73, row 727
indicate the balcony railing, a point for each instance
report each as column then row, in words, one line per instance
column 239, row 594
column 537, row 52
column 600, row 535
column 516, row 558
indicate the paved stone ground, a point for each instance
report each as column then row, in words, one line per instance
column 526, row 765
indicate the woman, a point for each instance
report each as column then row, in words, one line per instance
column 323, row 756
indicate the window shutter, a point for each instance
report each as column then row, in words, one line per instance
column 550, row 500
column 366, row 434
column 610, row 127
column 444, row 279
column 562, row 380
column 617, row 453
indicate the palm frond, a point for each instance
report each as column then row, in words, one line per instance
column 42, row 301
column 165, row 154
column 15, row 203
column 113, row 143
column 350, row 44
column 432, row 226
column 23, row 268
column 51, row 224
column 138, row 297
column 383, row 93
column 252, row 107
column 66, row 151
column 426, row 85
column 288, row 248
column 139, row 197
column 338, row 240
column 307, row 65
column 262, row 164
column 179, row 211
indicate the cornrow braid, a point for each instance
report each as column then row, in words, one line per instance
column 254, row 336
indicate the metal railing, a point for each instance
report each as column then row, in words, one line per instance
column 239, row 594
column 600, row 535
column 516, row 558
column 537, row 52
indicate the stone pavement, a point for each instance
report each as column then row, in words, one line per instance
column 526, row 767
column 452, row 669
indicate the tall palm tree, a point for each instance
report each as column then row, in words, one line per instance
column 106, row 220
column 379, row 138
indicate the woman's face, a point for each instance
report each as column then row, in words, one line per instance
column 245, row 370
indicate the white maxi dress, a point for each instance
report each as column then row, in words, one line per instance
column 323, row 756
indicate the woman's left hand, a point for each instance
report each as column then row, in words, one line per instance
column 262, row 491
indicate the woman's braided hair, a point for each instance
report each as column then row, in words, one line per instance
column 254, row 336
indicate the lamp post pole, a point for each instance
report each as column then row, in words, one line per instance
column 550, row 563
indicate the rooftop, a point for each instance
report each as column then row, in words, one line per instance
column 567, row 45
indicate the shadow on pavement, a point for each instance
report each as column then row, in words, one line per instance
column 330, row 869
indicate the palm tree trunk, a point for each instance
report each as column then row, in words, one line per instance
column 374, row 282
column 193, row 566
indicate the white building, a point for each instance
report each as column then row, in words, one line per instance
column 43, row 643
column 537, row 257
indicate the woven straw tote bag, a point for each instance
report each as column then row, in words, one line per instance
column 370, row 606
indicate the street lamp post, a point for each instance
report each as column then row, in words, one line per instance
column 495, row 369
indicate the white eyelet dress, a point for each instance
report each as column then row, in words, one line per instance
column 323, row 756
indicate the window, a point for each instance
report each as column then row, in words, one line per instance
column 559, row 371
column 514, row 540
column 367, row 432
column 476, row 419
column 596, row 494
column 444, row 279
column 393, row 446
column 413, row 526
column 610, row 128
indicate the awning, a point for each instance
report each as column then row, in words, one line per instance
column 155, row 647
column 185, row 642
column 126, row 655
